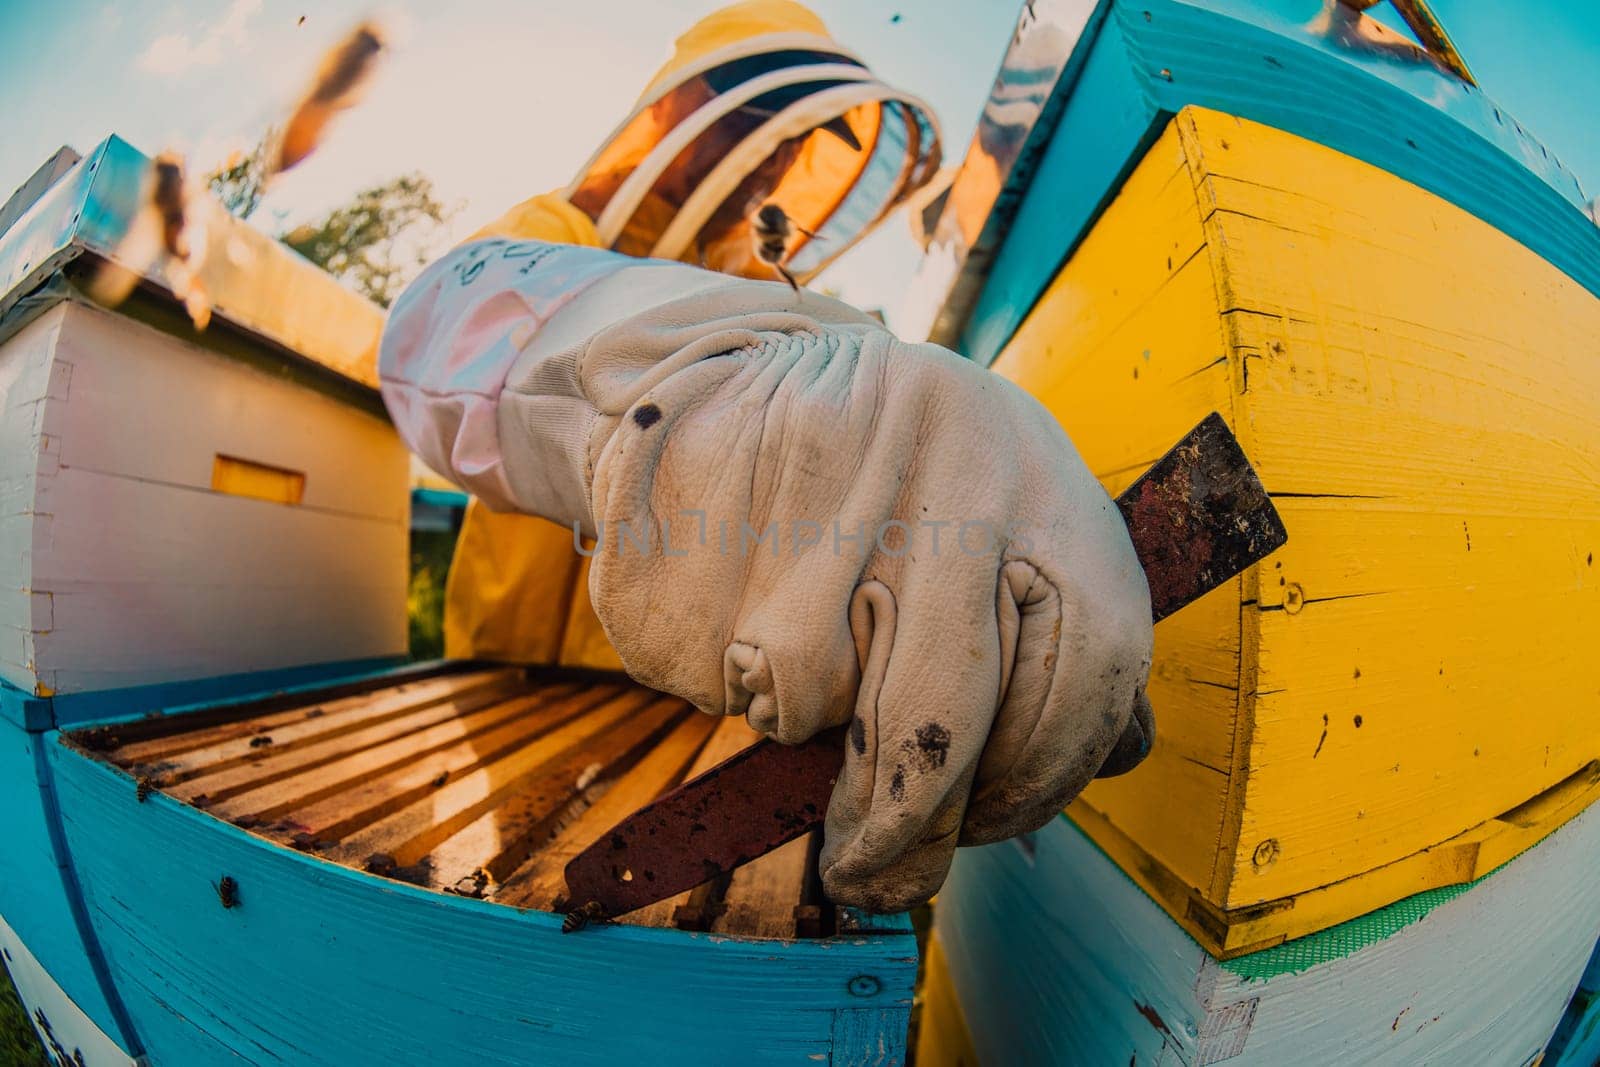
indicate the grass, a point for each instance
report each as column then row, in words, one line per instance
column 19, row 1045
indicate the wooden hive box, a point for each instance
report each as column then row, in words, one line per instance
column 1477, row 974
column 1577, row 1038
column 1391, row 702
column 393, row 851
column 1354, row 720
column 176, row 505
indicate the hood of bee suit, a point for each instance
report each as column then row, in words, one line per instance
column 758, row 104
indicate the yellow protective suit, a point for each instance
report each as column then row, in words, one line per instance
column 518, row 589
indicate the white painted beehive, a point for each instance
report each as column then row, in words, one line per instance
column 169, row 513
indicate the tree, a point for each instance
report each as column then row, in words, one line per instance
column 241, row 182
column 380, row 240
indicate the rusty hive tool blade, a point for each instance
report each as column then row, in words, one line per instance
column 1197, row 517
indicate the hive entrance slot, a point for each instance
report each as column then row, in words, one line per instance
column 482, row 783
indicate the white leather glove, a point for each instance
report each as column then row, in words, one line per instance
column 805, row 520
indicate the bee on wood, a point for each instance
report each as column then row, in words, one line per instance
column 142, row 788
column 771, row 228
column 261, row 741
column 227, row 891
column 582, row 916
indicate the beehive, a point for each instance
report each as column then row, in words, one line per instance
column 481, row 784
column 1391, row 702
column 1466, row 974
column 237, row 864
column 393, row 851
column 179, row 505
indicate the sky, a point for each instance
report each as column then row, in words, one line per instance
column 496, row 100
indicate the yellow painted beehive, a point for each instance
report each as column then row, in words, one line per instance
column 1399, row 698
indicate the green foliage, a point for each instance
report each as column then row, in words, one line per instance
column 240, row 184
column 380, row 240
column 430, row 565
column 19, row 1044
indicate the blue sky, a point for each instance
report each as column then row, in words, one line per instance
column 497, row 99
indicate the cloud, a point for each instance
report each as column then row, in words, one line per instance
column 174, row 54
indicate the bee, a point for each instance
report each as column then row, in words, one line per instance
column 582, row 916
column 772, row 229
column 340, row 80
column 167, row 231
column 142, row 788
column 227, row 891
column 261, row 741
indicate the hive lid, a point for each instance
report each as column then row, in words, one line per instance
column 1085, row 87
column 255, row 283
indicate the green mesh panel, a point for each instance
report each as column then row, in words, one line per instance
column 1334, row 943
column 1339, row 941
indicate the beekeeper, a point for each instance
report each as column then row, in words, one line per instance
column 784, row 511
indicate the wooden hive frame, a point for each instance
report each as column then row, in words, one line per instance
column 318, row 963
column 480, row 783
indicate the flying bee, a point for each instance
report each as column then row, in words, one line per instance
column 582, row 916
column 227, row 891
column 772, row 229
column 168, row 231
column 167, row 201
column 340, row 81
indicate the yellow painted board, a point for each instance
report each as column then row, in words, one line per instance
column 1421, row 395
column 259, row 481
column 1468, row 856
column 1126, row 350
column 1417, row 374
column 942, row 1036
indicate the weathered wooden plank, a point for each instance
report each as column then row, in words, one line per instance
column 1131, row 324
column 529, row 716
column 26, row 450
column 540, row 883
column 384, row 972
column 407, row 835
column 477, row 784
column 242, row 765
column 353, row 462
column 39, row 897
column 732, row 735
column 1453, row 976
column 762, row 896
column 368, row 799
column 524, row 821
column 1420, row 589
column 276, row 586
column 870, row 1037
column 1333, row 716
column 176, row 740
column 102, row 498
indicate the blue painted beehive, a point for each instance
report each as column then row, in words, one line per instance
column 239, row 830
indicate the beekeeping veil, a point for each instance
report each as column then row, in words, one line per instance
column 758, row 104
